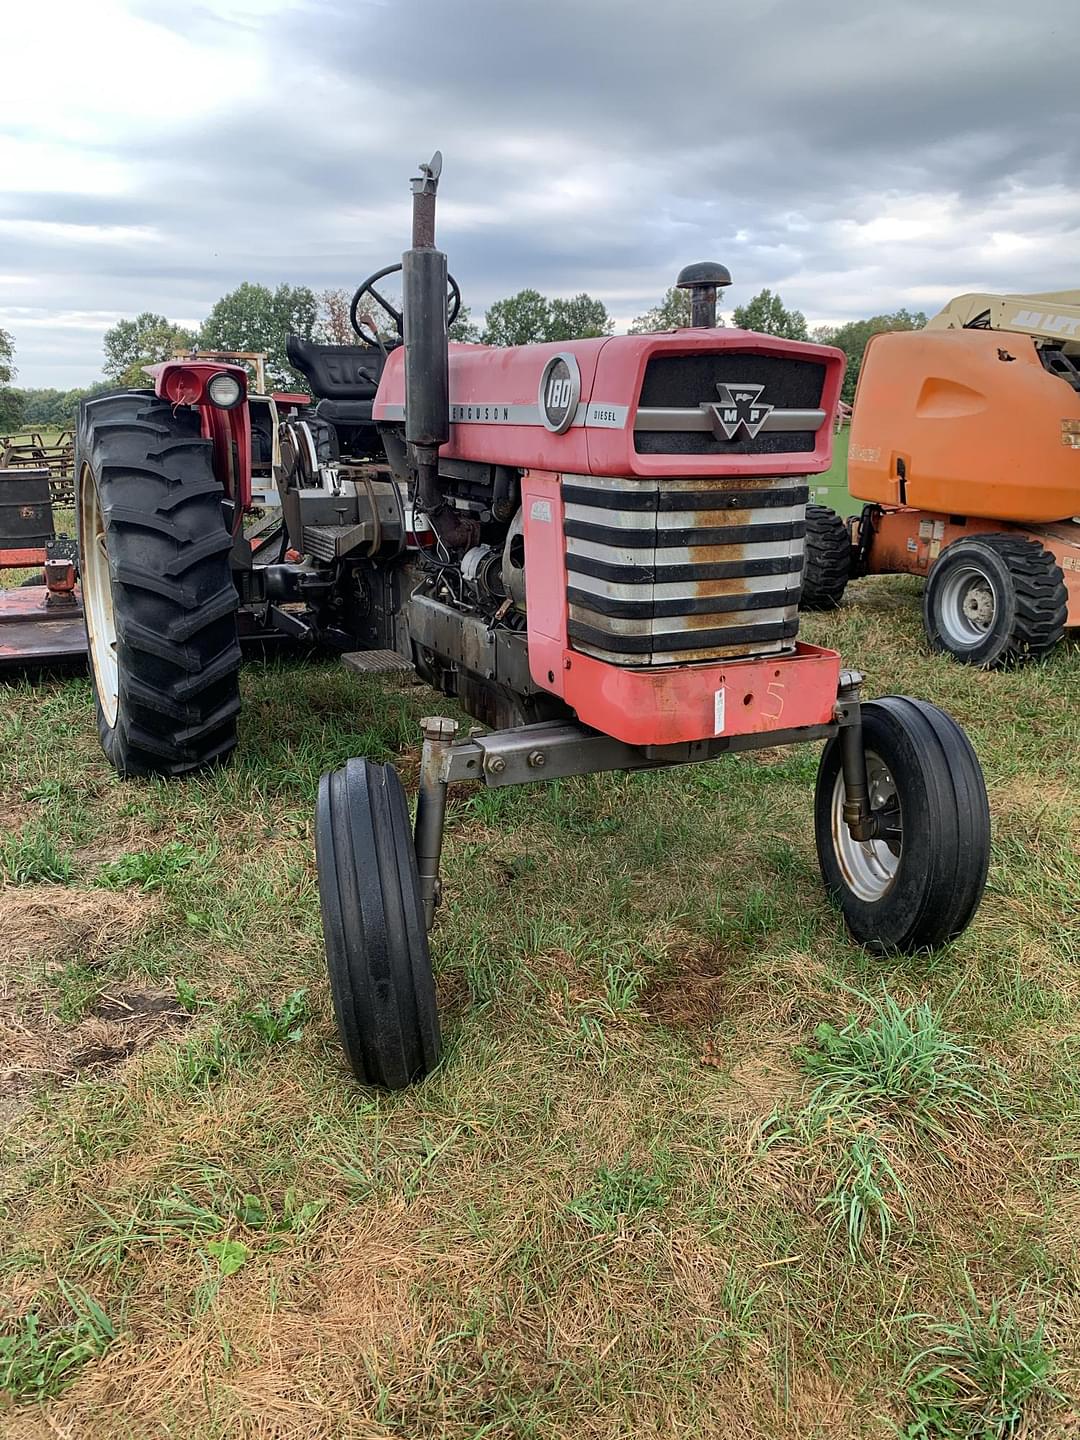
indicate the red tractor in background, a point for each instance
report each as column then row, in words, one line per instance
column 596, row 547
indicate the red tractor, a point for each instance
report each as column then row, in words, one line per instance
column 596, row 547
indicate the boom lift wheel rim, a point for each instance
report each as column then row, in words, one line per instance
column 968, row 606
column 869, row 867
column 97, row 597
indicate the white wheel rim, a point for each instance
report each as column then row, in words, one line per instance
column 869, row 867
column 97, row 597
column 967, row 606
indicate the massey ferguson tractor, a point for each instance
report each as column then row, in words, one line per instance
column 596, row 547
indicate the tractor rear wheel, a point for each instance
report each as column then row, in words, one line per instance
column 995, row 600
column 919, row 884
column 373, row 926
column 827, row 560
column 157, row 589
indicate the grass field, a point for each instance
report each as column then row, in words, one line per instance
column 694, row 1165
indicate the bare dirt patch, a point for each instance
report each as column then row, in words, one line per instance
column 139, row 1007
column 39, row 1049
column 701, row 990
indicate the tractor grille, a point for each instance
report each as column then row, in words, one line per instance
column 662, row 572
column 671, row 419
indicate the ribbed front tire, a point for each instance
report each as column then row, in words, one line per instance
column 373, row 926
column 157, row 588
column 920, row 883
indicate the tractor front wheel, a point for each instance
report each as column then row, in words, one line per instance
column 157, row 590
column 373, row 926
column 920, row 882
column 995, row 600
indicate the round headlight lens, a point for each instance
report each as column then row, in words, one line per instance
column 225, row 391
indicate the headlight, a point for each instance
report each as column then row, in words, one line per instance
column 224, row 391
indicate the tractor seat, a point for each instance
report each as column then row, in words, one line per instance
column 344, row 374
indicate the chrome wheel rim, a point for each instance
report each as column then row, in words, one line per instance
column 870, row 867
column 97, row 597
column 967, row 606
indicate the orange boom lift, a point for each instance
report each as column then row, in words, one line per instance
column 965, row 445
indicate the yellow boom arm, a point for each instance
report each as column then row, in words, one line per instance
column 1053, row 315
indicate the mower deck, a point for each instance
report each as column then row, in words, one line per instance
column 37, row 631
column 39, row 628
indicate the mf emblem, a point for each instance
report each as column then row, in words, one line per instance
column 740, row 406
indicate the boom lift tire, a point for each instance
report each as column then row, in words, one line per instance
column 995, row 600
column 919, row 885
column 373, row 925
column 157, row 589
column 827, row 560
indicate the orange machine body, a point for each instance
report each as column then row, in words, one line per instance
column 965, row 422
column 960, row 432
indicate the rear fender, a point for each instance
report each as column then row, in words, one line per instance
column 184, row 382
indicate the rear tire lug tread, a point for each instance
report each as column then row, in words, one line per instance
column 827, row 565
column 173, row 595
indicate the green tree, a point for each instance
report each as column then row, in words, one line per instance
column 578, row 318
column 132, row 344
column 528, row 317
column 854, row 337
column 520, row 319
column 256, row 318
column 57, row 409
column 11, row 400
column 465, row 330
column 7, row 358
column 42, row 407
column 767, row 314
column 673, row 313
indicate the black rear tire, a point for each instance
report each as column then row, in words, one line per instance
column 827, row 562
column 922, row 889
column 373, row 926
column 995, row 600
column 165, row 567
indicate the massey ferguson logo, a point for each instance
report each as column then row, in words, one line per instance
column 740, row 406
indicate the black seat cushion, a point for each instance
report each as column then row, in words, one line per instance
column 337, row 372
column 345, row 412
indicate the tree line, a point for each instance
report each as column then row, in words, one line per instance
column 256, row 318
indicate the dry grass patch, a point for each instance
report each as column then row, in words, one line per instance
column 52, row 923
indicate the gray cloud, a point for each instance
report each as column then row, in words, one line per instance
column 858, row 158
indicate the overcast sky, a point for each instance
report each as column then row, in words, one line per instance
column 856, row 156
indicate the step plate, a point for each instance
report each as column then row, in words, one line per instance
column 375, row 662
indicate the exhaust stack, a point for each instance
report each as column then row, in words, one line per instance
column 427, row 362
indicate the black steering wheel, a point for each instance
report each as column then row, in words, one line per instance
column 453, row 305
